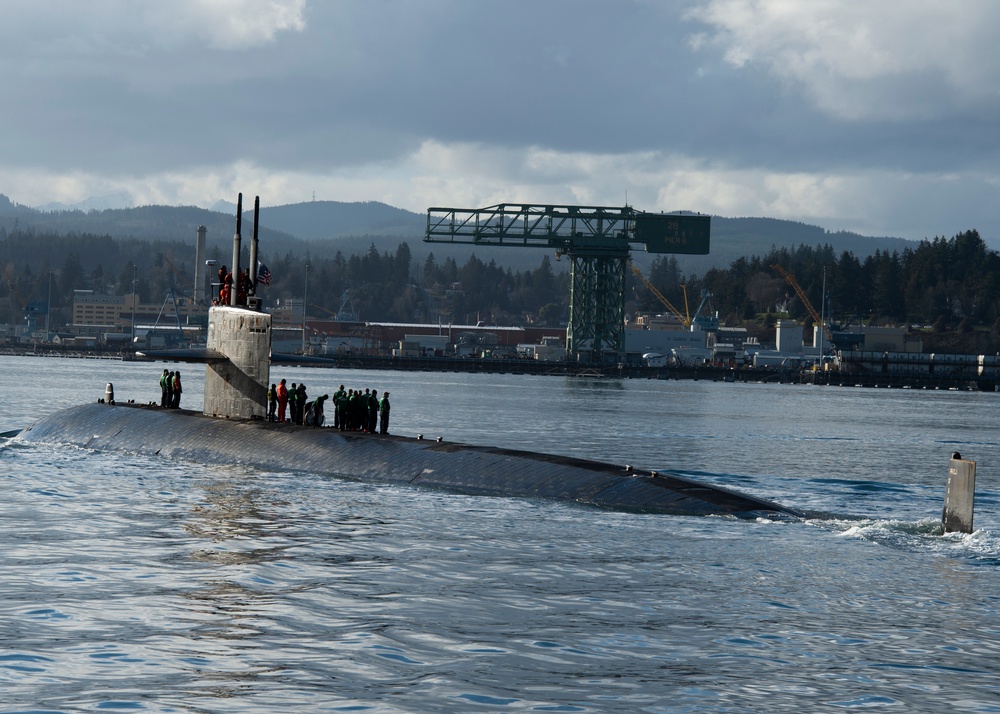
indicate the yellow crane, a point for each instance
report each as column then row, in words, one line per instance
column 13, row 287
column 790, row 279
column 184, row 279
column 686, row 319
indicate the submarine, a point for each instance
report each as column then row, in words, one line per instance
column 232, row 429
column 388, row 459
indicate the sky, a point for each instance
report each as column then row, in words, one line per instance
column 876, row 117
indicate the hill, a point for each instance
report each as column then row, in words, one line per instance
column 734, row 238
column 146, row 223
column 322, row 228
column 330, row 220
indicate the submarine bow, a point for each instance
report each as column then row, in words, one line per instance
column 459, row 468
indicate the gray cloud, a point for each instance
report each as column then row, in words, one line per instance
column 727, row 106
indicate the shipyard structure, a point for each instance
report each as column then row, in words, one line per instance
column 599, row 337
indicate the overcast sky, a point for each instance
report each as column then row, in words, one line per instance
column 878, row 117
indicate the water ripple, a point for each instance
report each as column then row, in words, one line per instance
column 134, row 583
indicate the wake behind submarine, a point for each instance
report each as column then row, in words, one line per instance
column 232, row 430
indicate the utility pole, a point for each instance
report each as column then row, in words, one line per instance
column 305, row 302
column 48, row 308
column 135, row 275
column 822, row 319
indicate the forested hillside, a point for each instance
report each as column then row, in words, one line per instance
column 951, row 287
column 387, row 285
column 950, row 283
column 321, row 228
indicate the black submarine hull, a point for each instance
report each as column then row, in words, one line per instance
column 459, row 468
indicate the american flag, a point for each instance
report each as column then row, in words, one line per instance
column 263, row 274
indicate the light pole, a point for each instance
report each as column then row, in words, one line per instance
column 305, row 302
column 135, row 271
column 822, row 319
column 48, row 308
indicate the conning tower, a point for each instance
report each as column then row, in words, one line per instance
column 236, row 383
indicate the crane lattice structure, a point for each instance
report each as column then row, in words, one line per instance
column 597, row 239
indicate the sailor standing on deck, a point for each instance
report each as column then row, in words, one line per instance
column 222, row 286
column 227, row 286
column 373, row 411
column 170, row 389
column 343, row 405
column 272, row 403
column 282, row 393
column 300, row 404
column 363, row 410
column 177, row 390
column 354, row 396
column 384, row 410
column 163, row 390
column 337, row 398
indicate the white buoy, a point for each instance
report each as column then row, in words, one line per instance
column 959, row 495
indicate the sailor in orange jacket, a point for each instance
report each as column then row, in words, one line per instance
column 282, row 400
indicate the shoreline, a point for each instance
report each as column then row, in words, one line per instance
column 478, row 365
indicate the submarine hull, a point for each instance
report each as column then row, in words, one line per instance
column 459, row 468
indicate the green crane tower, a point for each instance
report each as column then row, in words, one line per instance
column 598, row 241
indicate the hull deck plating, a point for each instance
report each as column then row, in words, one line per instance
column 460, row 468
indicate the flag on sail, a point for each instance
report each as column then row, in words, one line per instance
column 263, row 274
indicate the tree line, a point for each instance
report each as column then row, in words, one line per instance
column 952, row 284
column 948, row 287
column 376, row 286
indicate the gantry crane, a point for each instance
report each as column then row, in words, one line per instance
column 597, row 239
column 790, row 279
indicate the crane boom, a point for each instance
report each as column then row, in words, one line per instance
column 13, row 287
column 790, row 279
column 649, row 286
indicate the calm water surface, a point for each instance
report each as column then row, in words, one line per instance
column 130, row 583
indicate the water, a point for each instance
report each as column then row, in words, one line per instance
column 139, row 584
